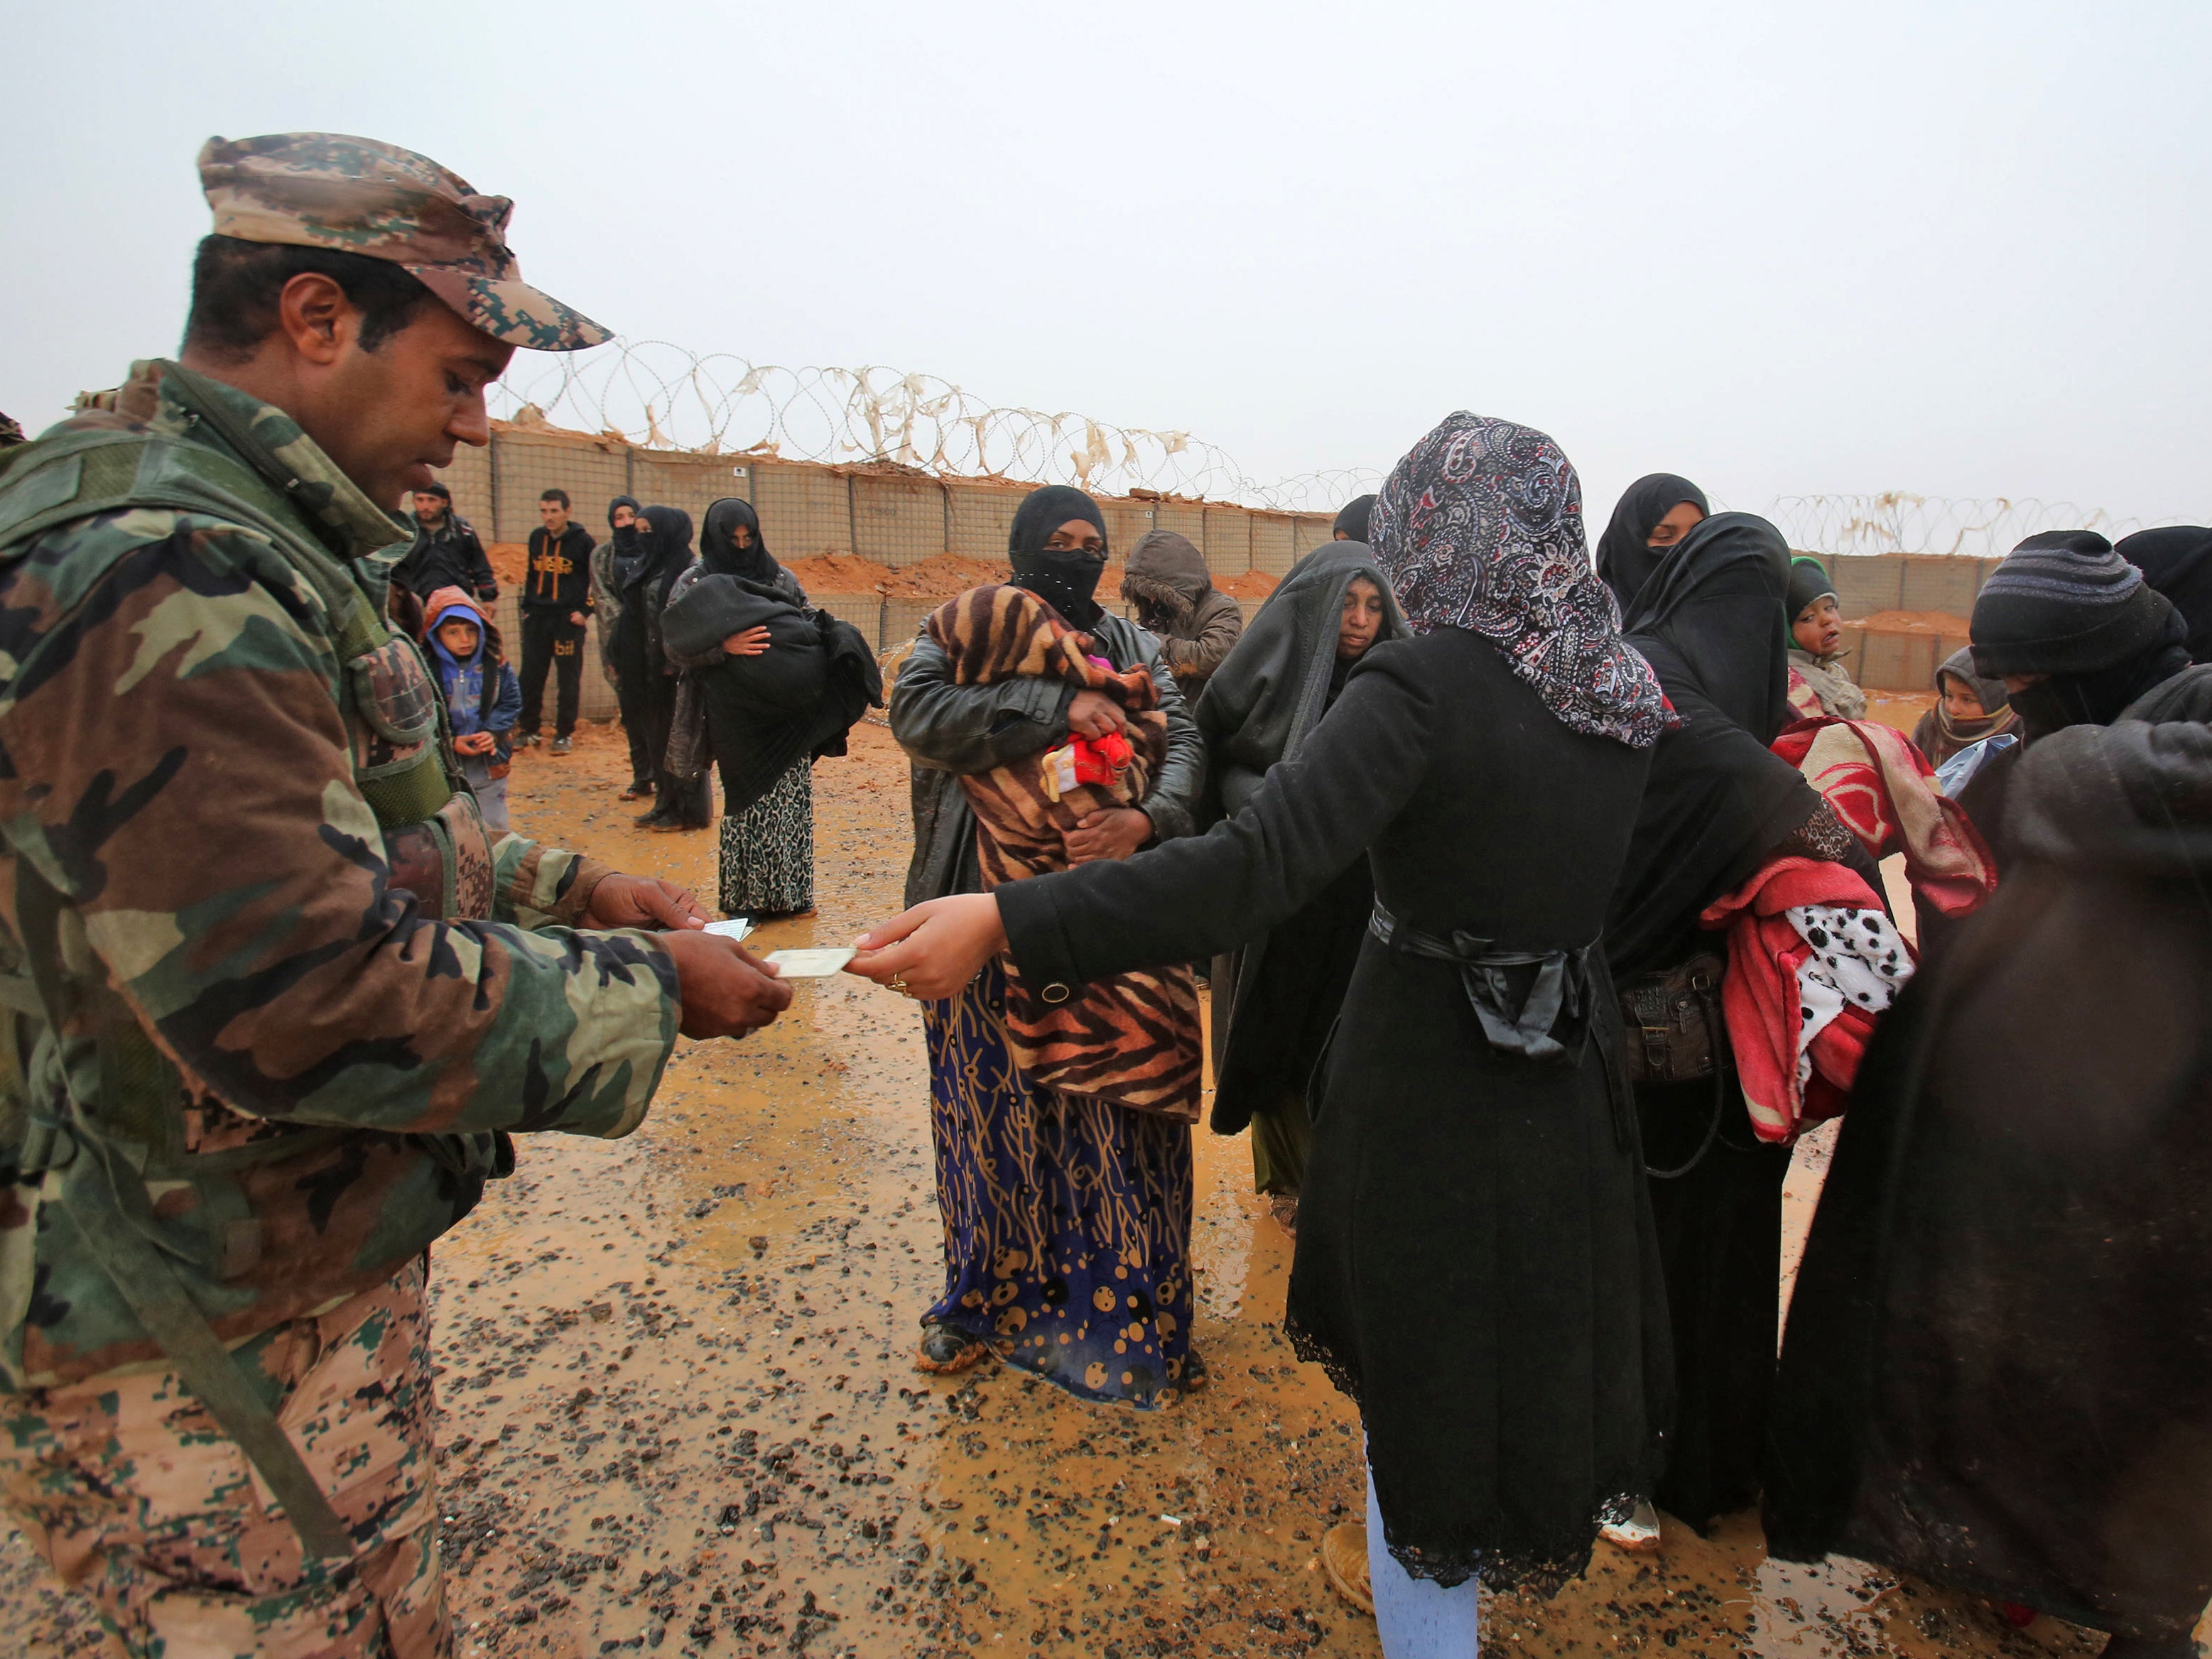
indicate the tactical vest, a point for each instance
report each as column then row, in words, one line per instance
column 98, row 1159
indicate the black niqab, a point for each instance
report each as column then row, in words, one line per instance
column 1711, row 625
column 1063, row 579
column 2176, row 560
column 1352, row 520
column 1626, row 559
column 1716, row 607
column 623, row 540
column 664, row 545
column 718, row 543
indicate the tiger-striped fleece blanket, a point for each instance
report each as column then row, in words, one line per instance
column 1133, row 1039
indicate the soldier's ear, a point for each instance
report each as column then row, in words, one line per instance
column 314, row 315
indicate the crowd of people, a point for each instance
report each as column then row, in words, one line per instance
column 1544, row 903
column 1538, row 895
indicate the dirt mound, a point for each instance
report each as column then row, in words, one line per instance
column 510, row 561
column 1911, row 622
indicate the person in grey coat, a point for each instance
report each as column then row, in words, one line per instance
column 1106, row 1188
column 1175, row 596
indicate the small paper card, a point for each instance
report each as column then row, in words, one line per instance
column 810, row 965
column 736, row 929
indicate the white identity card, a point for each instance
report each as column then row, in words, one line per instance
column 810, row 965
column 736, row 929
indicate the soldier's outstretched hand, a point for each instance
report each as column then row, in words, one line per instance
column 725, row 989
column 642, row 902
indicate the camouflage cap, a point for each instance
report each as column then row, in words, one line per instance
column 360, row 195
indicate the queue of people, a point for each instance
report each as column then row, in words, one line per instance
column 1545, row 901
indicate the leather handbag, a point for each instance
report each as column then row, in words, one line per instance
column 1673, row 1023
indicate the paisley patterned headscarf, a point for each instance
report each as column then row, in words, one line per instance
column 1481, row 527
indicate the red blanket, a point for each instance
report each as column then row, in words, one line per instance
column 1885, row 792
column 1812, row 961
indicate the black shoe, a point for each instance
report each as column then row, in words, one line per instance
column 657, row 816
column 945, row 1349
column 560, row 745
column 1195, row 1373
column 525, row 740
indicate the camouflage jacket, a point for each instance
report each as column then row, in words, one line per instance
column 182, row 776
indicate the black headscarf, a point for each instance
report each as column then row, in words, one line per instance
column 623, row 540
column 1064, row 579
column 1625, row 558
column 1351, row 521
column 664, row 545
column 2176, row 560
column 1710, row 622
column 1281, row 676
column 1715, row 608
column 718, row 543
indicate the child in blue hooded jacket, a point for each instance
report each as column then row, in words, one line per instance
column 484, row 699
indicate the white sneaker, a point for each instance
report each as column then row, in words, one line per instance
column 1640, row 1532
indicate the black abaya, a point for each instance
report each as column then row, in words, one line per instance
column 640, row 662
column 1474, row 1256
column 1711, row 622
column 1998, row 1369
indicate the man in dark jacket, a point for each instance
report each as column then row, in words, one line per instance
column 447, row 553
column 556, row 602
column 1175, row 596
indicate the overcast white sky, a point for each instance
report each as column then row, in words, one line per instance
column 1959, row 249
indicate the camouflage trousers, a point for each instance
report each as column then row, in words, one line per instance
column 129, row 1489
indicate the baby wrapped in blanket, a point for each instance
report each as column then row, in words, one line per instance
column 1133, row 1039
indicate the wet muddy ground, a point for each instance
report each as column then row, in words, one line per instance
column 679, row 1414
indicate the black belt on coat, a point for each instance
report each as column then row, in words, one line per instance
column 1560, row 987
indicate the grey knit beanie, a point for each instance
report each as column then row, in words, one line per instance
column 2064, row 603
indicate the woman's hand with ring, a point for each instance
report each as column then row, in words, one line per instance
column 934, row 949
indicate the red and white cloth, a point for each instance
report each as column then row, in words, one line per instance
column 1885, row 792
column 1812, row 961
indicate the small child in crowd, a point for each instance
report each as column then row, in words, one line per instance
column 1818, row 682
column 484, row 699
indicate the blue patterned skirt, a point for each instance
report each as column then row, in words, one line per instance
column 1066, row 1219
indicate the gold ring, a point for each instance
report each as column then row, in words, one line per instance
column 898, row 984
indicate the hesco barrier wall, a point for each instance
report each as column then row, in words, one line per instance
column 892, row 515
column 896, row 516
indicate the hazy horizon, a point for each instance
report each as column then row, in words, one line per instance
column 1943, row 250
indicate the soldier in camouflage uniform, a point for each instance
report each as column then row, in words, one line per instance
column 271, row 1000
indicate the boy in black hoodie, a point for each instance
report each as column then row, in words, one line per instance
column 556, row 602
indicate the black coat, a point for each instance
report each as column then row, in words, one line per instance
column 1998, row 1367
column 1474, row 1256
column 449, row 555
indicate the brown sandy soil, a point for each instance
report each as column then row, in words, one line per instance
column 679, row 1416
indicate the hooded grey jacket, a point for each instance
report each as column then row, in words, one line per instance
column 947, row 729
column 1168, row 582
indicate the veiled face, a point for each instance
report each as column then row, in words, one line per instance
column 1076, row 536
column 1681, row 519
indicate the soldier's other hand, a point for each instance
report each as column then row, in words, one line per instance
column 643, row 902
column 726, row 990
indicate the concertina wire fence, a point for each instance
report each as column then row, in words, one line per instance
column 662, row 396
